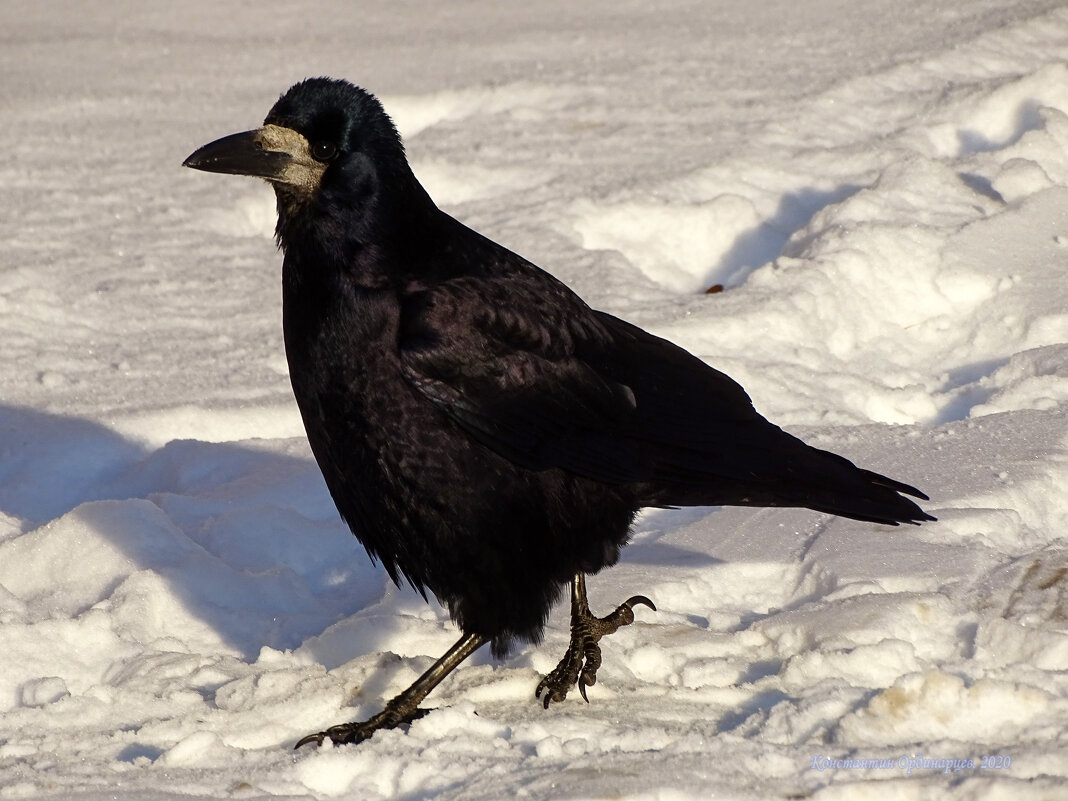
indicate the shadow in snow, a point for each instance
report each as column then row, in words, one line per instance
column 1026, row 117
column 245, row 539
column 964, row 391
column 135, row 751
column 757, row 704
column 980, row 184
column 765, row 243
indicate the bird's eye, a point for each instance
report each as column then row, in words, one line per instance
column 323, row 151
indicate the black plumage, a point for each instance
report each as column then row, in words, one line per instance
column 487, row 435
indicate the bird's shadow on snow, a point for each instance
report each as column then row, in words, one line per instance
column 244, row 535
column 649, row 546
column 242, row 539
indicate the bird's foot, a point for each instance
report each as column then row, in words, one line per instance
column 357, row 732
column 405, row 707
column 583, row 657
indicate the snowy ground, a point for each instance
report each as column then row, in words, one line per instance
column 881, row 187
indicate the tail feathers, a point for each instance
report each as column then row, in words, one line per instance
column 849, row 491
column 797, row 475
column 880, row 500
column 896, row 486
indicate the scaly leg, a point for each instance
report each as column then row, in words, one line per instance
column 405, row 707
column 583, row 657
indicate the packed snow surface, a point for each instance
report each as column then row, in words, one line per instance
column 881, row 189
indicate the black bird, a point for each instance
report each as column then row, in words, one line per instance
column 487, row 435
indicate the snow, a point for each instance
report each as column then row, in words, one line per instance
column 880, row 187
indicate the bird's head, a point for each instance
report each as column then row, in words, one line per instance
column 329, row 149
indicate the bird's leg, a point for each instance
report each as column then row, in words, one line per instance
column 405, row 707
column 583, row 657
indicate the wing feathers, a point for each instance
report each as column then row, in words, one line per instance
column 562, row 386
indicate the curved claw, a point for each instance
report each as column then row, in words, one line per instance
column 551, row 693
column 639, row 599
column 583, row 658
column 316, row 738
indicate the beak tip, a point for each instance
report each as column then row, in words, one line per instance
column 240, row 154
column 195, row 160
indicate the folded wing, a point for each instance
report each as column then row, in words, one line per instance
column 558, row 385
